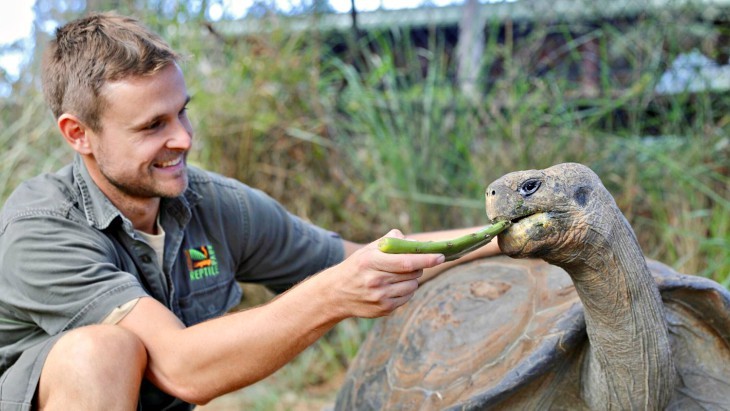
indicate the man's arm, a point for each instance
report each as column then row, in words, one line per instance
column 209, row 359
column 488, row 250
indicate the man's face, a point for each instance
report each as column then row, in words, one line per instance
column 140, row 152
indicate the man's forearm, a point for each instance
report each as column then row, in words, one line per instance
column 209, row 359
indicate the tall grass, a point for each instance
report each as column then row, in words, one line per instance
column 679, row 203
column 29, row 142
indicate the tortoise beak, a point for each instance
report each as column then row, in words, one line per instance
column 502, row 203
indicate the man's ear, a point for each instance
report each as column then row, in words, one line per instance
column 75, row 132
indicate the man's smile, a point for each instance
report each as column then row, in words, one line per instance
column 170, row 163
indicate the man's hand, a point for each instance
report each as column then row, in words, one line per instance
column 428, row 273
column 371, row 283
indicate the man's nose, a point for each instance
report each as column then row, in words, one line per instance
column 182, row 136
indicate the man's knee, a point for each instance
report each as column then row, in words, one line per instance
column 100, row 344
column 101, row 356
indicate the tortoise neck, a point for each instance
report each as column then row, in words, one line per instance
column 630, row 354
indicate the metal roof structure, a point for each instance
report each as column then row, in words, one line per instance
column 515, row 10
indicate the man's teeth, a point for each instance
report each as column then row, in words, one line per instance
column 170, row 163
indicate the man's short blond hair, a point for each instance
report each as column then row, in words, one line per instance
column 91, row 51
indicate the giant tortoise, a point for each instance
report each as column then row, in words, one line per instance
column 588, row 323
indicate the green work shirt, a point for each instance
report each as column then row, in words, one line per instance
column 68, row 257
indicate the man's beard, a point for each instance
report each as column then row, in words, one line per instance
column 137, row 189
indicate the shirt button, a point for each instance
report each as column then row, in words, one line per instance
column 146, row 259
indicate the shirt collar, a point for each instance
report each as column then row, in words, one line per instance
column 100, row 212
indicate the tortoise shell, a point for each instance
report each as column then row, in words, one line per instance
column 500, row 333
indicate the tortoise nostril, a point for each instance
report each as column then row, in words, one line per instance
column 494, row 192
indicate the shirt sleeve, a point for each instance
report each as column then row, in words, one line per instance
column 120, row 312
column 62, row 274
column 276, row 248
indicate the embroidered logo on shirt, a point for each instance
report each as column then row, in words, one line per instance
column 201, row 262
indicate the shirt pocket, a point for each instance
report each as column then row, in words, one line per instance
column 210, row 302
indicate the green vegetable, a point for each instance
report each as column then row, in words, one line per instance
column 451, row 249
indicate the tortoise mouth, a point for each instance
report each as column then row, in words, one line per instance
column 525, row 218
column 534, row 219
column 518, row 219
column 525, row 232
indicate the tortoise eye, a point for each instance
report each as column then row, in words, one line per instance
column 529, row 187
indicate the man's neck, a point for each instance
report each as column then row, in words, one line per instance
column 147, row 222
column 141, row 211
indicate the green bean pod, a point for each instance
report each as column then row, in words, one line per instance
column 451, row 249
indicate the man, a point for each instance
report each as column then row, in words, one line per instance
column 117, row 269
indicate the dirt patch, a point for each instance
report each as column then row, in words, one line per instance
column 273, row 394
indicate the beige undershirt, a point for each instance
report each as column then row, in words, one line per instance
column 157, row 242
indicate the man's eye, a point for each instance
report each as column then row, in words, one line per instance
column 153, row 125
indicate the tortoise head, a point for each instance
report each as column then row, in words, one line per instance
column 553, row 211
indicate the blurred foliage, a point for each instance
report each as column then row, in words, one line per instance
column 379, row 136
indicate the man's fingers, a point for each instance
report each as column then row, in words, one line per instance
column 404, row 263
column 401, row 277
column 407, row 263
column 399, row 301
column 403, row 288
column 395, row 233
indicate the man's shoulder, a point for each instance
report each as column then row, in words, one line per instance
column 45, row 194
column 210, row 185
column 203, row 179
column 213, row 190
